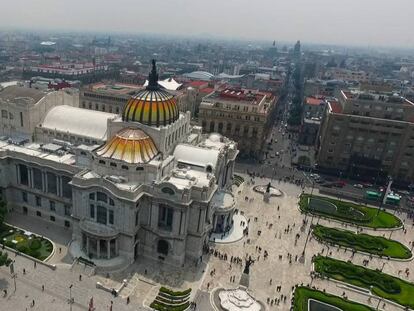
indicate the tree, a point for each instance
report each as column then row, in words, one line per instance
column 4, row 259
column 3, row 211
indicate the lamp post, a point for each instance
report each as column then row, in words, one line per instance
column 13, row 274
column 71, row 300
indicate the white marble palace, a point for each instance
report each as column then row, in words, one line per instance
column 145, row 183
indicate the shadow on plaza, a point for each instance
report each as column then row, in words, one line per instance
column 159, row 272
column 4, row 284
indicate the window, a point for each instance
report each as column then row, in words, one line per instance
column 66, row 187
column 37, row 179
column 112, row 164
column 21, row 119
column 4, row 114
column 136, row 219
column 124, row 167
column 139, row 168
column 111, row 217
column 111, row 202
column 102, row 162
column 24, row 175
column 67, row 210
column 39, row 214
column 92, row 211
column 101, row 215
column 168, row 190
column 38, row 201
column 52, row 218
column 52, row 206
column 67, row 223
column 92, row 196
column 51, row 183
column 100, row 196
column 24, row 196
column 165, row 217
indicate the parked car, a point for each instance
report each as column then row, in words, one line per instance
column 359, row 186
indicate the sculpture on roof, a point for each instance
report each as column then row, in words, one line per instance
column 153, row 78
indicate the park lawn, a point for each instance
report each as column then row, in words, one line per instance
column 303, row 294
column 349, row 212
column 376, row 245
column 380, row 284
column 33, row 246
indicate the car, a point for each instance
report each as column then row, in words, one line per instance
column 277, row 154
column 367, row 185
column 314, row 176
column 359, row 186
column 327, row 185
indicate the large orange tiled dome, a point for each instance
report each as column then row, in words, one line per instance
column 152, row 106
column 130, row 145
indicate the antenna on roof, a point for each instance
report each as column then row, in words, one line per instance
column 153, row 78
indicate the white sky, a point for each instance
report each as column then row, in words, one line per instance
column 362, row 22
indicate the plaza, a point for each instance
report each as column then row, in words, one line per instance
column 276, row 240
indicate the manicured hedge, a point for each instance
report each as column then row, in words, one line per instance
column 169, row 300
column 161, row 307
column 303, row 294
column 380, row 284
column 376, row 245
column 348, row 212
column 175, row 293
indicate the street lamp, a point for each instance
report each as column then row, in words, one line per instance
column 71, row 300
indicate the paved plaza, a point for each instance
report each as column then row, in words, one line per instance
column 274, row 228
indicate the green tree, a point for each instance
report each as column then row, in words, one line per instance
column 3, row 211
column 4, row 259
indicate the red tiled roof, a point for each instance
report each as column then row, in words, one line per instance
column 335, row 106
column 207, row 90
column 197, row 84
column 314, row 101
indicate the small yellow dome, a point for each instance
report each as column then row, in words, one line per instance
column 130, row 145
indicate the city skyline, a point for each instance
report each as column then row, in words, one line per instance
column 350, row 23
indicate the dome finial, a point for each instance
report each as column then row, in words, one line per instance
column 153, row 78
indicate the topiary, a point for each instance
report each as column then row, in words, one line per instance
column 35, row 244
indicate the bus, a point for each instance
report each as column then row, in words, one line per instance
column 393, row 199
column 373, row 195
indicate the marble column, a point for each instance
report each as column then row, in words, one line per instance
column 108, row 250
column 87, row 246
column 98, row 248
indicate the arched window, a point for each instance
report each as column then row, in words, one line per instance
column 212, row 125
column 220, row 127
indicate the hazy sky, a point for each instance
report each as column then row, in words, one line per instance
column 362, row 22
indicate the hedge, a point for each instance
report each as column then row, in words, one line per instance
column 380, row 284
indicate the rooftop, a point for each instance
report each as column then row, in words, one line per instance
column 78, row 121
column 314, row 101
column 239, row 95
column 115, row 88
column 375, row 96
column 14, row 92
column 37, row 150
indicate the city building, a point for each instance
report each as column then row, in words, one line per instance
column 107, row 97
column 241, row 114
column 22, row 108
column 368, row 135
column 85, row 72
column 313, row 111
column 152, row 186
